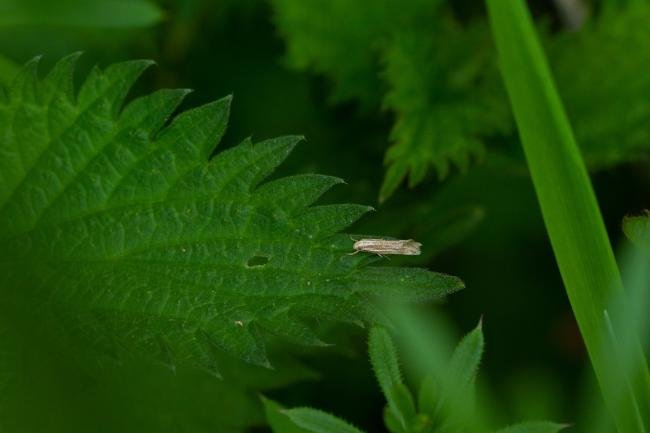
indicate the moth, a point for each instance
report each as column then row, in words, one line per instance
column 381, row 247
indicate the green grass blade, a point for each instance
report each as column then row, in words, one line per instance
column 567, row 200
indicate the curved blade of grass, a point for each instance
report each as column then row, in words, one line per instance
column 568, row 203
column 75, row 13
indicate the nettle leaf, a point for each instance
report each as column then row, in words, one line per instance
column 342, row 40
column 119, row 224
column 446, row 100
column 609, row 106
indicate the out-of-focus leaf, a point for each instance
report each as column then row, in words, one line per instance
column 8, row 70
column 79, row 13
column 343, row 40
column 457, row 388
column 278, row 420
column 637, row 229
column 317, row 421
column 428, row 395
column 446, row 98
column 385, row 364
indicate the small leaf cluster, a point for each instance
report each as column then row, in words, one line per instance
column 444, row 402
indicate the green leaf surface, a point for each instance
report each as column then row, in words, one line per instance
column 385, row 364
column 383, row 358
column 428, row 395
column 317, row 421
column 457, row 392
column 115, row 220
column 392, row 422
column 534, row 427
column 79, row 13
column 278, row 420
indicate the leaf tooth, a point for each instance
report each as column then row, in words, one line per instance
column 461, row 159
column 203, row 352
column 23, row 86
column 166, row 354
column 240, row 339
column 333, row 308
column 295, row 192
column 273, row 152
column 150, row 112
column 442, row 167
column 418, row 171
column 394, row 176
column 329, row 219
column 111, row 86
column 60, row 79
column 199, row 129
column 235, row 171
column 294, row 331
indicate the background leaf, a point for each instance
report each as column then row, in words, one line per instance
column 385, row 364
column 279, row 421
column 75, row 13
column 317, row 421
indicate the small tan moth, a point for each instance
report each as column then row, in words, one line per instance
column 404, row 247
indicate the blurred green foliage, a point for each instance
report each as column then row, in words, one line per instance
column 347, row 75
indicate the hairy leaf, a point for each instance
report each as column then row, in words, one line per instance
column 317, row 421
column 534, row 427
column 279, row 421
column 117, row 222
column 385, row 364
column 446, row 99
column 457, row 392
column 383, row 358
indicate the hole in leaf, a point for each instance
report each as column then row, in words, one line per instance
column 257, row 261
